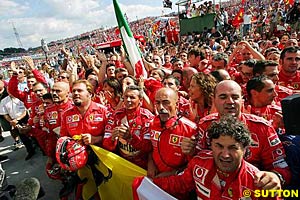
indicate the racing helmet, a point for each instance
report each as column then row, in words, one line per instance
column 70, row 154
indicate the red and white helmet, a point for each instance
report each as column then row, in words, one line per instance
column 70, row 154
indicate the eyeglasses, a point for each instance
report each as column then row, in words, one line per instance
column 20, row 72
column 62, row 77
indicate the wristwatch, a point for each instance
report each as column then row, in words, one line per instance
column 282, row 181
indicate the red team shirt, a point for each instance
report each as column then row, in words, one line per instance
column 27, row 97
column 202, row 175
column 266, row 150
column 292, row 82
column 167, row 154
column 93, row 121
column 52, row 118
column 136, row 151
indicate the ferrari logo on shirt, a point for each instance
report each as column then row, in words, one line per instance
column 296, row 86
column 174, row 140
column 230, row 193
column 91, row 117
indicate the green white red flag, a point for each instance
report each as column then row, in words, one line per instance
column 129, row 43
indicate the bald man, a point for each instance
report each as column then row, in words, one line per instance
column 263, row 151
column 60, row 95
column 187, row 74
column 167, row 131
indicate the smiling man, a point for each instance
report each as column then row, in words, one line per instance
column 127, row 131
column 265, row 145
column 221, row 173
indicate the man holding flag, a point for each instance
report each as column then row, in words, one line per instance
column 129, row 43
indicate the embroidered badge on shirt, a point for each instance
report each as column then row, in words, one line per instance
column 175, row 140
column 98, row 118
column 54, row 115
column 273, row 140
column 75, row 118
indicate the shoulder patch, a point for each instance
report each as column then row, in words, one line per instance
column 145, row 112
column 211, row 117
column 256, row 119
column 188, row 122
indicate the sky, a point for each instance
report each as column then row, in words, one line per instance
column 58, row 19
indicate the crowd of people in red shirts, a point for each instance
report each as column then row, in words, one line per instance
column 162, row 122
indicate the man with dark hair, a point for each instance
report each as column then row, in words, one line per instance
column 14, row 112
column 228, row 101
column 28, row 96
column 127, row 130
column 221, row 173
column 289, row 75
column 195, row 56
column 121, row 73
column 37, row 111
column 86, row 120
column 245, row 72
column 261, row 94
column 219, row 61
column 269, row 68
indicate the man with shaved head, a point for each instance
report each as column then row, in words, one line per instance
column 263, row 151
column 187, row 74
column 60, row 95
column 167, row 132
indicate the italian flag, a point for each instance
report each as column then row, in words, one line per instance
column 129, row 43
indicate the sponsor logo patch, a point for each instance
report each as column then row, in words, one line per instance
column 200, row 173
column 273, row 140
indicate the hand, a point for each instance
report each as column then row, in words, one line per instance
column 102, row 57
column 277, row 120
column 188, row 145
column 29, row 62
column 124, row 132
column 109, row 97
column 193, row 109
column 86, row 138
column 64, row 51
column 13, row 66
column 123, row 54
column 36, row 119
column 72, row 67
column 24, row 129
column 13, row 122
column 183, row 94
column 152, row 169
column 267, row 180
column 141, row 83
